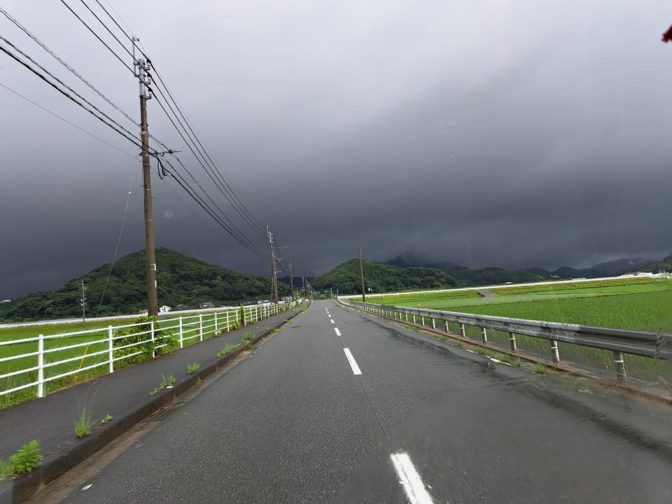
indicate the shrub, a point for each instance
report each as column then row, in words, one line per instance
column 129, row 336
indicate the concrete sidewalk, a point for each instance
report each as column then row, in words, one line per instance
column 123, row 394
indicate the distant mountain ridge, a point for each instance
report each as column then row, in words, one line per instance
column 182, row 280
column 379, row 277
column 482, row 276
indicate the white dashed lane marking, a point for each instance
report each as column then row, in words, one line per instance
column 352, row 361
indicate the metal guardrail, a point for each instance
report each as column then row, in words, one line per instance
column 56, row 356
column 619, row 341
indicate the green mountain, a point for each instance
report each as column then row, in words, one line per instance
column 182, row 280
column 381, row 277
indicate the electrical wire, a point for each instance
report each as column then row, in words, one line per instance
column 98, row 37
column 66, row 65
column 65, row 120
column 70, row 97
column 213, row 172
column 116, row 248
column 209, row 210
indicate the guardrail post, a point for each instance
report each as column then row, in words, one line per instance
column 463, row 331
column 110, row 348
column 619, row 364
column 200, row 326
column 244, row 317
column 151, row 330
column 406, row 316
column 512, row 342
column 555, row 353
column 422, row 320
column 228, row 324
column 215, row 323
column 40, row 366
column 414, row 318
column 447, row 326
column 181, row 334
column 433, row 323
column 484, row 335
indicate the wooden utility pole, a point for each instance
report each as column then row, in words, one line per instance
column 361, row 272
column 274, row 270
column 291, row 278
column 152, row 303
column 83, row 302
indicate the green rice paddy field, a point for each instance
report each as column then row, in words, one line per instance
column 635, row 303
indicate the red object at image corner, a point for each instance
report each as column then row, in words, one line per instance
column 667, row 36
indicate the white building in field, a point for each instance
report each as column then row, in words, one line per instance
column 164, row 309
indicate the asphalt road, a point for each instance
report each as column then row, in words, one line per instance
column 345, row 411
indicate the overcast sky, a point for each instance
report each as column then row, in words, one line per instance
column 509, row 133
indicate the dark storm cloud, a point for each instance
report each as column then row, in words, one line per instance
column 501, row 133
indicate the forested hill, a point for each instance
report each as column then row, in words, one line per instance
column 182, row 280
column 381, row 277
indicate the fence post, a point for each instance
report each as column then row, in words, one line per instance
column 151, row 329
column 484, row 335
column 244, row 317
column 433, row 323
column 110, row 348
column 447, row 326
column 40, row 366
column 463, row 331
column 228, row 324
column 181, row 334
column 555, row 353
column 215, row 323
column 200, row 326
column 512, row 342
column 406, row 316
column 619, row 364
column 414, row 318
column 422, row 320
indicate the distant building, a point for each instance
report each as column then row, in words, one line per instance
column 165, row 309
column 3, row 301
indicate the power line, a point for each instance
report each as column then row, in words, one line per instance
column 66, row 65
column 116, row 249
column 212, row 172
column 70, row 97
column 98, row 37
column 203, row 157
column 247, row 214
column 209, row 210
column 65, row 120
column 109, row 31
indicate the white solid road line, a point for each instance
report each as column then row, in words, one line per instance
column 352, row 361
column 338, row 333
column 410, row 479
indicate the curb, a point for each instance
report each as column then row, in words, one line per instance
column 22, row 488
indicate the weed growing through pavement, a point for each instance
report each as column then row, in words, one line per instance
column 193, row 367
column 83, row 423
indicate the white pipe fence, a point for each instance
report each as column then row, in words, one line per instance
column 43, row 359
